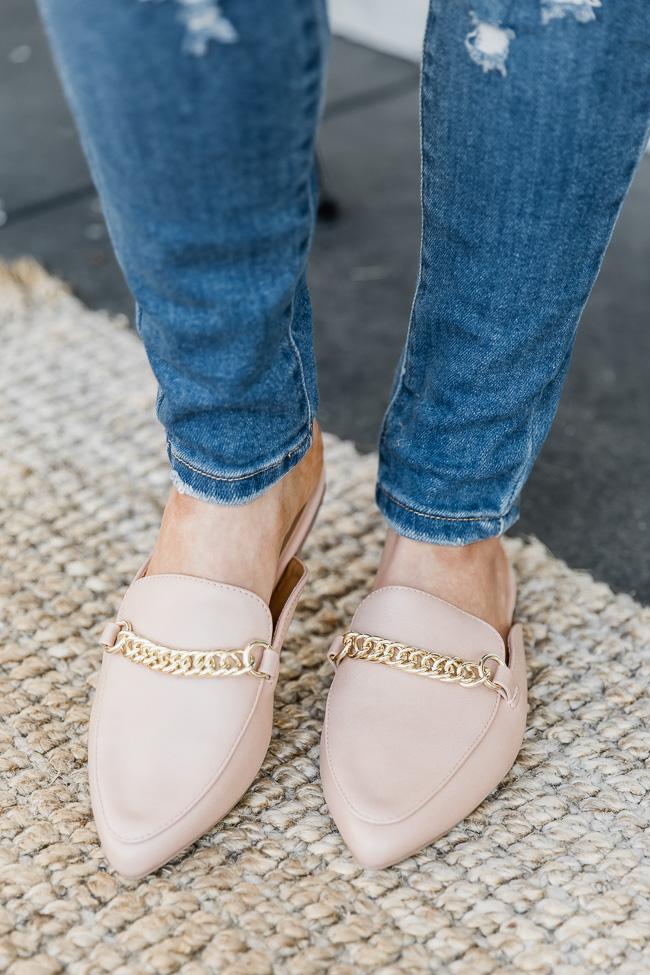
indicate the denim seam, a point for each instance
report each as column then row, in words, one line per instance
column 239, row 477
column 296, row 351
column 400, row 379
column 311, row 29
column 441, row 517
column 526, row 466
column 566, row 361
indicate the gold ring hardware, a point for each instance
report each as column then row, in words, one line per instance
column 426, row 663
column 186, row 663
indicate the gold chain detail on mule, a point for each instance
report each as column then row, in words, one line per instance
column 437, row 666
column 186, row 663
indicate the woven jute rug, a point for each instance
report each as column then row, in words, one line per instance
column 550, row 875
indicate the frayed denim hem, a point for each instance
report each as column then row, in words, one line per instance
column 441, row 529
column 190, row 479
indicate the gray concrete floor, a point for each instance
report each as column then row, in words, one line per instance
column 588, row 498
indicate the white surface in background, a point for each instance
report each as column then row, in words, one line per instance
column 386, row 25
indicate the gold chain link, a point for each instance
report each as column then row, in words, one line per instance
column 186, row 663
column 437, row 666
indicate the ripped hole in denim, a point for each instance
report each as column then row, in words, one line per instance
column 488, row 45
column 204, row 22
column 581, row 10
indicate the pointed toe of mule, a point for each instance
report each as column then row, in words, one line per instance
column 406, row 755
column 179, row 730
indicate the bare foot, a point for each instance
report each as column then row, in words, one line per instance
column 476, row 577
column 236, row 544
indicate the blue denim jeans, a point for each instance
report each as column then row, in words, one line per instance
column 199, row 121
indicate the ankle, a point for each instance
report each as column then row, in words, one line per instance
column 476, row 577
column 236, row 544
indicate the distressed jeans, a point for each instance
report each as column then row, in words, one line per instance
column 199, row 121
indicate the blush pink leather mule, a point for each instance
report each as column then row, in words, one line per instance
column 182, row 717
column 425, row 716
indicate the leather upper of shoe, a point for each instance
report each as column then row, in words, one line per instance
column 394, row 740
column 170, row 755
column 161, row 740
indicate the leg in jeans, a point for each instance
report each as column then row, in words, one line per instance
column 534, row 116
column 199, row 121
column 198, row 118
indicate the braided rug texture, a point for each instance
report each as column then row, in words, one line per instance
column 550, row 875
